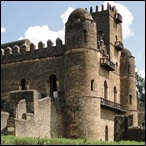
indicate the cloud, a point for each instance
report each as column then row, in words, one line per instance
column 3, row 29
column 44, row 33
column 127, row 18
column 66, row 14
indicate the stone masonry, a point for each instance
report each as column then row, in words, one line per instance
column 72, row 90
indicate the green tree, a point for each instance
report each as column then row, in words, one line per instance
column 140, row 88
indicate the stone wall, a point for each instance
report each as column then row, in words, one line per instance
column 34, row 117
column 35, row 124
column 106, row 124
column 141, row 115
column 43, row 118
column 57, row 119
column 136, row 134
column 36, row 73
column 124, row 130
column 4, row 117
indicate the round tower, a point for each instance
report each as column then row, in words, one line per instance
column 128, row 84
column 80, row 30
column 81, row 72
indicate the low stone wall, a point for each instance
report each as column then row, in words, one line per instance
column 4, row 117
column 136, row 134
column 124, row 129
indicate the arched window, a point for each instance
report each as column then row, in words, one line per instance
column 130, row 99
column 53, row 84
column 92, row 85
column 85, row 36
column 106, row 133
column 115, row 94
column 105, row 90
column 23, row 84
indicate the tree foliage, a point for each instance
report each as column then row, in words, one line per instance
column 140, row 88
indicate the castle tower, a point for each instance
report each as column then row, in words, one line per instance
column 108, row 23
column 128, row 84
column 81, row 68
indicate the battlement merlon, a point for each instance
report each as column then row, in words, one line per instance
column 25, row 50
column 16, row 43
column 109, row 10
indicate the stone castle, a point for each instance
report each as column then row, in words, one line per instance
column 73, row 90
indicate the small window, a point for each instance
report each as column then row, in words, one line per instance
column 92, row 85
column 130, row 99
column 116, row 67
column 85, row 36
column 53, row 84
column 105, row 90
column 23, row 84
column 128, row 69
column 115, row 94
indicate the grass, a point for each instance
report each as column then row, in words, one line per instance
column 12, row 140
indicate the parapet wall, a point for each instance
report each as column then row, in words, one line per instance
column 25, row 50
column 4, row 118
column 108, row 10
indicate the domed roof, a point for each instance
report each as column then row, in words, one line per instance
column 80, row 13
column 126, row 52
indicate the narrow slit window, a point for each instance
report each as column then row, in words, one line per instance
column 92, row 85
column 129, row 69
column 130, row 99
column 85, row 36
column 115, row 94
column 105, row 90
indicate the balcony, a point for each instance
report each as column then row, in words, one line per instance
column 106, row 63
column 118, row 18
column 119, row 46
column 106, row 103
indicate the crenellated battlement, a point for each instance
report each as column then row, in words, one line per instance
column 109, row 9
column 25, row 50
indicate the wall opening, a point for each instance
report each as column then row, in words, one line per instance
column 92, row 85
column 105, row 90
column 85, row 36
column 129, row 69
column 130, row 99
column 116, row 67
column 106, row 133
column 116, row 37
column 115, row 94
column 23, row 84
column 53, row 84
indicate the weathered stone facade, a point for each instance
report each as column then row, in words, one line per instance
column 73, row 90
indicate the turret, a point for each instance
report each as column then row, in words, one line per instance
column 80, row 30
column 128, row 84
column 81, row 69
column 108, row 23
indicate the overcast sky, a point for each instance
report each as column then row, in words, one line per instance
column 42, row 20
